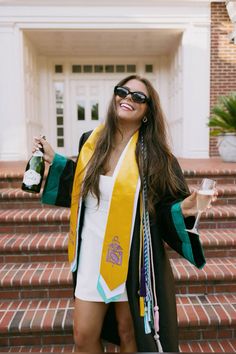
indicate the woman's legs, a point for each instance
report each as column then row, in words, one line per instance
column 88, row 321
column 125, row 327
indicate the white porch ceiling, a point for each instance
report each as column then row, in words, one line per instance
column 104, row 42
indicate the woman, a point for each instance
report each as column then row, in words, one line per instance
column 127, row 195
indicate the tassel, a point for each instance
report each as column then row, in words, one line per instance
column 142, row 283
column 156, row 318
column 149, row 311
column 141, row 306
column 156, row 327
column 158, row 343
column 146, row 325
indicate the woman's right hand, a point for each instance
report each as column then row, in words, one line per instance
column 49, row 153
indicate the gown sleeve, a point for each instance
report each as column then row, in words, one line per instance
column 59, row 182
column 58, row 185
column 173, row 225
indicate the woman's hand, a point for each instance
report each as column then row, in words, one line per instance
column 49, row 153
column 189, row 204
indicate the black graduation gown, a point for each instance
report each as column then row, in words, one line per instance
column 168, row 226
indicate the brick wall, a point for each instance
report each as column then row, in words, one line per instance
column 223, row 59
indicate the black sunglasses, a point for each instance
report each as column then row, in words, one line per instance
column 138, row 97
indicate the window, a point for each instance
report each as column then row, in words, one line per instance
column 60, row 131
column 59, row 97
column 106, row 68
column 94, row 111
column 58, row 69
column 59, row 110
column 98, row 68
column 88, row 68
column 60, row 142
column 120, row 68
column 148, row 68
column 81, row 111
column 131, row 68
column 59, row 120
column 109, row 68
column 76, row 69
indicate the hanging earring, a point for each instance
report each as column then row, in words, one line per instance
column 145, row 120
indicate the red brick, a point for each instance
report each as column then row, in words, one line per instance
column 223, row 59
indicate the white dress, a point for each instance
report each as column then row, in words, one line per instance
column 92, row 236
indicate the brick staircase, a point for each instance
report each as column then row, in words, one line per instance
column 36, row 303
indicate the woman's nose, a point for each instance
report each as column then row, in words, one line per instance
column 129, row 97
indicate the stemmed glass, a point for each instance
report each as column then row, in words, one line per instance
column 204, row 195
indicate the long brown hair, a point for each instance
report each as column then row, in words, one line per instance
column 158, row 166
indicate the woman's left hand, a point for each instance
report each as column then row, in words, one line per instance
column 189, row 204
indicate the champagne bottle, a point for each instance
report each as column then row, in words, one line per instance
column 33, row 176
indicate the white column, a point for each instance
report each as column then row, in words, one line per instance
column 13, row 144
column 45, row 119
column 196, row 91
column 175, row 84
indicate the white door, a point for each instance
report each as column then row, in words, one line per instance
column 89, row 102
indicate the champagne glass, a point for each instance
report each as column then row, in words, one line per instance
column 204, row 195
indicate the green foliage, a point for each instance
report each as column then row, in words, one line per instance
column 223, row 115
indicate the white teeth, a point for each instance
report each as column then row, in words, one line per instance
column 125, row 105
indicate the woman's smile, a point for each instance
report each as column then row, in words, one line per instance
column 126, row 106
column 127, row 109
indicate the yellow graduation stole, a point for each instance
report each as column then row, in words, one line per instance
column 117, row 240
column 84, row 157
column 116, row 244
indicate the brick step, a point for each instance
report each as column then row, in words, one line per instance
column 213, row 346
column 57, row 219
column 13, row 198
column 16, row 198
column 207, row 316
column 36, row 322
column 34, row 220
column 226, row 193
column 45, row 322
column 215, row 242
column 11, row 180
column 208, row 346
column 217, row 276
column 33, row 247
column 35, row 280
column 53, row 280
column 219, row 217
column 11, row 175
column 222, row 175
column 52, row 247
column 225, row 174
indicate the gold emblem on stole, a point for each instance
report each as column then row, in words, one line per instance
column 115, row 252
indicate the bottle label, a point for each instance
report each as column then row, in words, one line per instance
column 31, row 178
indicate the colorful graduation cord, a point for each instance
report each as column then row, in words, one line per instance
column 148, row 300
